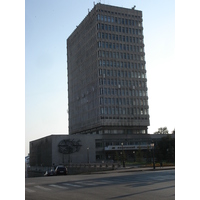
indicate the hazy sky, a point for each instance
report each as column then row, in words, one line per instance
column 48, row 23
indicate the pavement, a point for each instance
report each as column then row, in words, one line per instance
column 123, row 183
column 135, row 169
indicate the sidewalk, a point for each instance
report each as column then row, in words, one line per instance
column 136, row 169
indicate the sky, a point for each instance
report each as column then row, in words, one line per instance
column 48, row 23
column 33, row 61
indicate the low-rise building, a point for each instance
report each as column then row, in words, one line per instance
column 88, row 148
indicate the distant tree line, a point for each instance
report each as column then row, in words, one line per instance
column 164, row 130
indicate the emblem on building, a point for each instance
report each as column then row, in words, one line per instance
column 69, row 146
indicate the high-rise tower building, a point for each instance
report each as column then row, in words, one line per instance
column 107, row 84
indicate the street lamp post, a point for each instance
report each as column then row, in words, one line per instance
column 88, row 159
column 152, row 146
column 123, row 154
column 133, row 156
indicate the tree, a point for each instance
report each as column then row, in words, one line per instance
column 117, row 158
column 139, row 155
column 161, row 130
column 165, row 149
column 148, row 155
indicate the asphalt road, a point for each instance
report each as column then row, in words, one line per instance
column 127, row 185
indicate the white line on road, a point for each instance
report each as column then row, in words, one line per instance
column 105, row 182
column 43, row 188
column 29, row 190
column 102, row 182
column 86, row 183
column 58, row 186
column 73, row 185
column 30, row 183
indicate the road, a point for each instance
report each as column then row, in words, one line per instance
column 127, row 185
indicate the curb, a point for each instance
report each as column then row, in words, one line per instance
column 134, row 170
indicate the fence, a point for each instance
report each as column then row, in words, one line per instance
column 91, row 167
column 34, row 171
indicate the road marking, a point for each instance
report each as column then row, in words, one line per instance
column 105, row 182
column 29, row 183
column 29, row 190
column 160, row 178
column 121, row 181
column 43, row 188
column 86, row 183
column 58, row 186
column 170, row 177
column 73, row 185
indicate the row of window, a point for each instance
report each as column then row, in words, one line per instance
column 117, row 55
column 119, row 143
column 126, row 56
column 123, row 92
column 121, row 47
column 123, row 111
column 120, row 55
column 123, row 101
column 119, row 29
column 121, row 73
column 121, row 38
column 118, row 20
column 122, row 83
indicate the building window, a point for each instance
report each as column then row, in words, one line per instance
column 105, row 91
column 124, row 111
column 101, row 100
column 106, row 110
column 101, row 91
column 100, row 81
column 100, row 62
column 109, row 110
column 113, row 28
column 113, row 101
column 113, row 111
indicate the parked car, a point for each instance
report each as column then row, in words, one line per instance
column 50, row 173
column 60, row 169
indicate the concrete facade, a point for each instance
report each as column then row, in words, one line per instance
column 45, row 151
column 87, row 148
column 107, row 85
